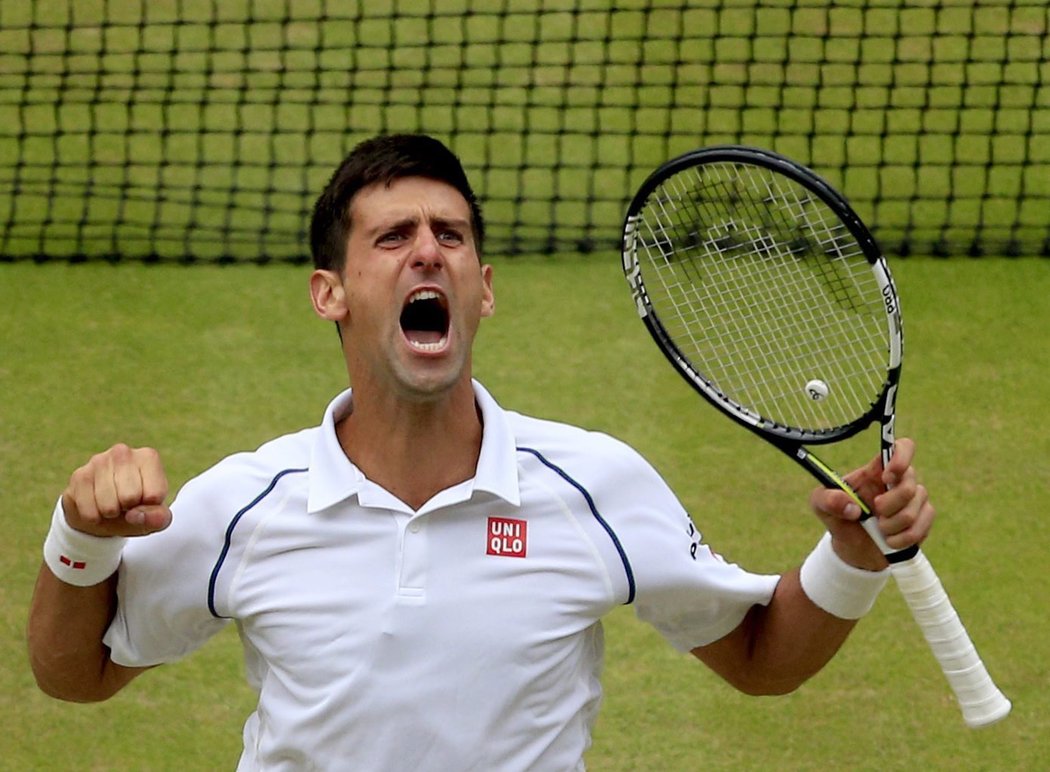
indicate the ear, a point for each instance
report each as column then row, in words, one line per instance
column 328, row 295
column 488, row 299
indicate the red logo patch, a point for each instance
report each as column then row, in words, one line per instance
column 507, row 537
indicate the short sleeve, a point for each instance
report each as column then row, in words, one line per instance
column 162, row 587
column 689, row 593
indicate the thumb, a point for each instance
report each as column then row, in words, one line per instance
column 840, row 513
column 833, row 504
column 148, row 518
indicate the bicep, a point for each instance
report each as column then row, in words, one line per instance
column 730, row 656
column 777, row 647
column 118, row 676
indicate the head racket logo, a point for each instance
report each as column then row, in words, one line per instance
column 887, row 297
column 889, row 416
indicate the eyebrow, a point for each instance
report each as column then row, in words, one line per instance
column 412, row 221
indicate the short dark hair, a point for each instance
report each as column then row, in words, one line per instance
column 382, row 159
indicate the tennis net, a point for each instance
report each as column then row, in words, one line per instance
column 202, row 130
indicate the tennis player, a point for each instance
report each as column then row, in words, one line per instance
column 419, row 581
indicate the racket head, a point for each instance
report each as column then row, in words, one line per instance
column 766, row 292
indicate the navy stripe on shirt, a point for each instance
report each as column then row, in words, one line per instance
column 594, row 511
column 229, row 537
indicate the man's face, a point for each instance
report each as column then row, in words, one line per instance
column 415, row 289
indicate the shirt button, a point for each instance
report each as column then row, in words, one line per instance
column 414, row 528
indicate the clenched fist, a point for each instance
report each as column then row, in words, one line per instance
column 119, row 492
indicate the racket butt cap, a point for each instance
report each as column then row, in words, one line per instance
column 991, row 711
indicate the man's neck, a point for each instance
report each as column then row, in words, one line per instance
column 414, row 450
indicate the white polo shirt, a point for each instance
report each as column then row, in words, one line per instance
column 462, row 636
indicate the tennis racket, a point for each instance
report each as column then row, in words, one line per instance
column 769, row 295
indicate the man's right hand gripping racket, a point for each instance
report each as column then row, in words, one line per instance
column 769, row 296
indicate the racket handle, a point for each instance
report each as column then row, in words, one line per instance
column 979, row 698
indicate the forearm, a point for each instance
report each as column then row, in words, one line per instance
column 118, row 494
column 782, row 644
column 65, row 630
column 790, row 640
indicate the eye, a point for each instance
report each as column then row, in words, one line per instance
column 450, row 236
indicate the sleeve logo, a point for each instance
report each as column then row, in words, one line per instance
column 697, row 546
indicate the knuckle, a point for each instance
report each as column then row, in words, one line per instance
column 147, row 454
column 90, row 518
column 119, row 452
column 908, row 487
column 110, row 509
column 86, row 510
column 80, row 477
column 149, row 459
column 127, row 498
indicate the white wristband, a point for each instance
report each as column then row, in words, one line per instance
column 79, row 558
column 837, row 587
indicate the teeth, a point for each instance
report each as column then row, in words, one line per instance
column 436, row 346
column 423, row 294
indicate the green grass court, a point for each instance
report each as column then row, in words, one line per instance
column 206, row 361
column 171, row 130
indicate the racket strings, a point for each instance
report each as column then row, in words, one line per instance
column 764, row 290
column 757, row 364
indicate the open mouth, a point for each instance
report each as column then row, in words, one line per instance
column 424, row 320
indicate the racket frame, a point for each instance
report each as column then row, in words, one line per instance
column 980, row 700
column 790, row 440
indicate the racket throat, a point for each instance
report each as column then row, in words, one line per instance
column 831, row 479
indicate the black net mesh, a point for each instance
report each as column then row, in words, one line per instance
column 202, row 130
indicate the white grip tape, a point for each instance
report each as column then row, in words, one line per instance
column 979, row 698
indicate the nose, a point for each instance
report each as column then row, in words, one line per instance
column 427, row 253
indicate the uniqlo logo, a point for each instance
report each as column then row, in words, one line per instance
column 507, row 537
